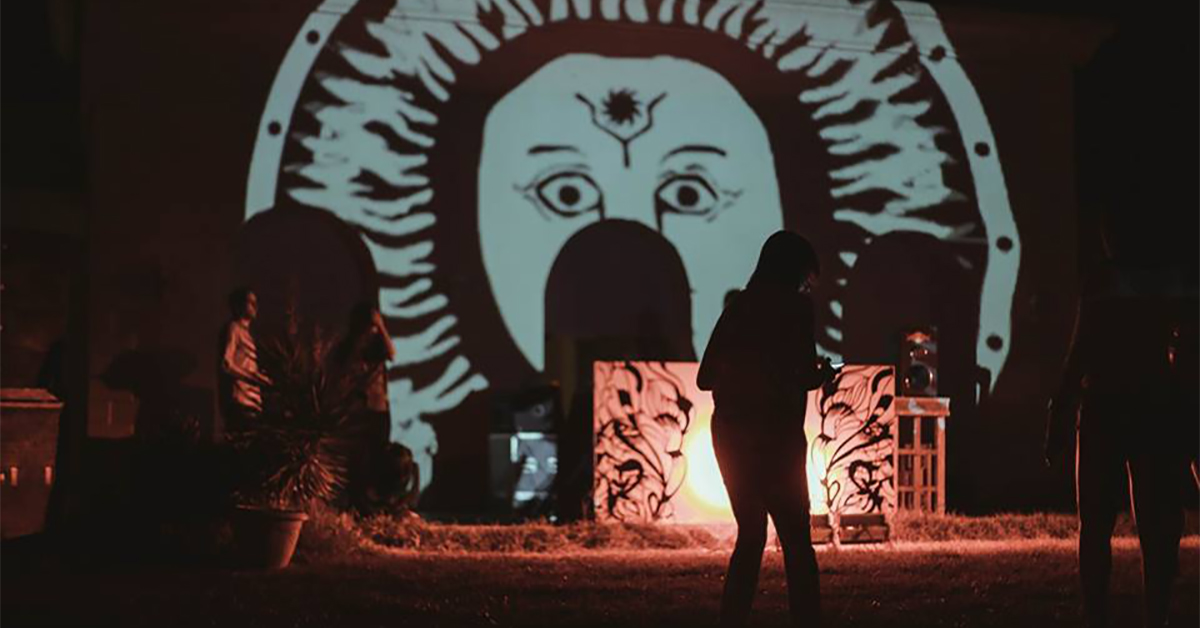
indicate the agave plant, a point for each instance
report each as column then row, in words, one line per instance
column 295, row 452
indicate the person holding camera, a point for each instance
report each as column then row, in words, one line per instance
column 760, row 363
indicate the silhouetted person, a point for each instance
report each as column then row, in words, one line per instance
column 1121, row 390
column 760, row 363
column 238, row 377
column 363, row 355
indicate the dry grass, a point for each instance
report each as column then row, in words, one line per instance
column 414, row 533
column 911, row 527
column 985, row 584
column 1002, row 571
column 331, row 537
column 339, row 536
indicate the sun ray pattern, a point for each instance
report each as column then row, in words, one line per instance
column 856, row 69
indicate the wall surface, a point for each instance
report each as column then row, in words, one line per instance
column 394, row 168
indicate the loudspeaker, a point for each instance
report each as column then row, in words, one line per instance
column 919, row 364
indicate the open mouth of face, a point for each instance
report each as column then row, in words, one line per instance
column 623, row 285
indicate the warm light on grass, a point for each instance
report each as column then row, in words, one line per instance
column 417, row 534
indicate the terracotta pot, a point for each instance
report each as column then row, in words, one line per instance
column 265, row 538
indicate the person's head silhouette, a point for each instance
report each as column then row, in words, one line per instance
column 243, row 304
column 788, row 260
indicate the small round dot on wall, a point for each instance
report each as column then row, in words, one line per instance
column 274, row 128
column 982, row 149
column 1004, row 243
column 312, row 37
column 937, row 53
column 994, row 342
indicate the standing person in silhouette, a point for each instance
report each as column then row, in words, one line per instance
column 760, row 363
column 1121, row 393
column 238, row 378
column 363, row 355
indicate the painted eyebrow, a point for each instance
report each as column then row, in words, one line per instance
column 695, row 148
column 552, row 148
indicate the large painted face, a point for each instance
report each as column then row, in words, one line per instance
column 660, row 141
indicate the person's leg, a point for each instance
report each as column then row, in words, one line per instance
column 1099, row 475
column 1155, row 485
column 366, row 461
column 789, row 508
column 736, row 458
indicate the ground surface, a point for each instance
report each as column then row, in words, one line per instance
column 1023, row 584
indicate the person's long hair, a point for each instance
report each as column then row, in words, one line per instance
column 786, row 260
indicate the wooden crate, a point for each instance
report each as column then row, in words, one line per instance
column 921, row 453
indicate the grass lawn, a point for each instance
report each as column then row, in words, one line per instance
column 1023, row 583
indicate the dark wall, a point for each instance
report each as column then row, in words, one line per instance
column 41, row 189
column 173, row 93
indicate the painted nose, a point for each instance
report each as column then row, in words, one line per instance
column 621, row 282
column 628, row 202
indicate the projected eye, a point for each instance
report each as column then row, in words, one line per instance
column 687, row 194
column 570, row 194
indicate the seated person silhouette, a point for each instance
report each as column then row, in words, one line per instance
column 760, row 362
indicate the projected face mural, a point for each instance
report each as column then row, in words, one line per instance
column 470, row 140
column 663, row 142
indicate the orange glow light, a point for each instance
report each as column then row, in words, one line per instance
column 703, row 498
column 689, row 488
column 816, row 476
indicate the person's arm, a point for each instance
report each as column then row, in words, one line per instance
column 804, row 346
column 1064, row 407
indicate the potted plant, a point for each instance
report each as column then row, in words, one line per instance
column 293, row 456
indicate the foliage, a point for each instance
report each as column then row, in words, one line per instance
column 394, row 488
column 331, row 536
column 294, row 454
